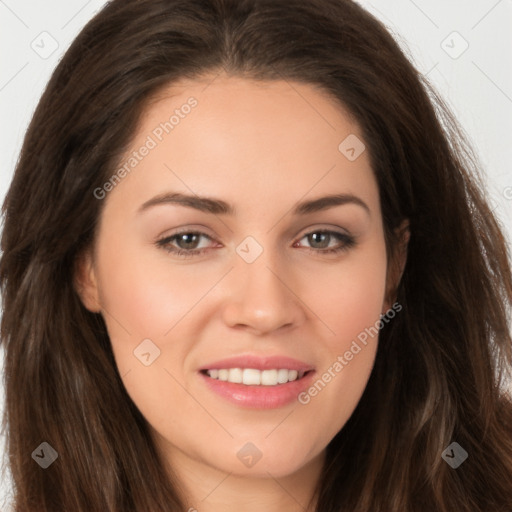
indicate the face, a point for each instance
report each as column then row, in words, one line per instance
column 244, row 244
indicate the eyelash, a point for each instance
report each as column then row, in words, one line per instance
column 165, row 243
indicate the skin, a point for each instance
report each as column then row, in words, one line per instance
column 262, row 147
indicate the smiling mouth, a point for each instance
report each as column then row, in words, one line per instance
column 255, row 377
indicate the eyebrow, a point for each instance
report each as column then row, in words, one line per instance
column 219, row 207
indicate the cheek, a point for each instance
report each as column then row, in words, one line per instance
column 147, row 296
column 349, row 300
column 349, row 297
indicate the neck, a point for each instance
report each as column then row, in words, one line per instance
column 208, row 489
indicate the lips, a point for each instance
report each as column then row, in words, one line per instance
column 259, row 363
column 258, row 382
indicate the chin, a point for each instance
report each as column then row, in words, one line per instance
column 278, row 461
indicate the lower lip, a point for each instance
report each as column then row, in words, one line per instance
column 259, row 397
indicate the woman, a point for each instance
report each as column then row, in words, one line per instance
column 244, row 266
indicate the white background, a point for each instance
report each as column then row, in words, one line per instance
column 477, row 84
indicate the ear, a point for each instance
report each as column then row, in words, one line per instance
column 85, row 281
column 396, row 264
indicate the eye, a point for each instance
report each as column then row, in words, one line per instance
column 326, row 241
column 193, row 243
column 186, row 243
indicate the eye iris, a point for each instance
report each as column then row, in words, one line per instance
column 319, row 238
column 190, row 241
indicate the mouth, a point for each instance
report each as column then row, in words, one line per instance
column 256, row 382
column 255, row 377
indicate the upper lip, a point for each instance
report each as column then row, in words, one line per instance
column 259, row 363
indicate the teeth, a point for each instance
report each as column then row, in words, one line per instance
column 269, row 377
column 253, row 377
column 282, row 376
column 235, row 375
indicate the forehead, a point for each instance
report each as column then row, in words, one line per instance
column 242, row 139
column 234, row 108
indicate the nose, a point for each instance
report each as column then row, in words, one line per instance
column 262, row 298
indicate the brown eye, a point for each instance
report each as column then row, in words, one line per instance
column 187, row 240
column 186, row 243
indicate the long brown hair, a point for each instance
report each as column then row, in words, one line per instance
column 442, row 364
